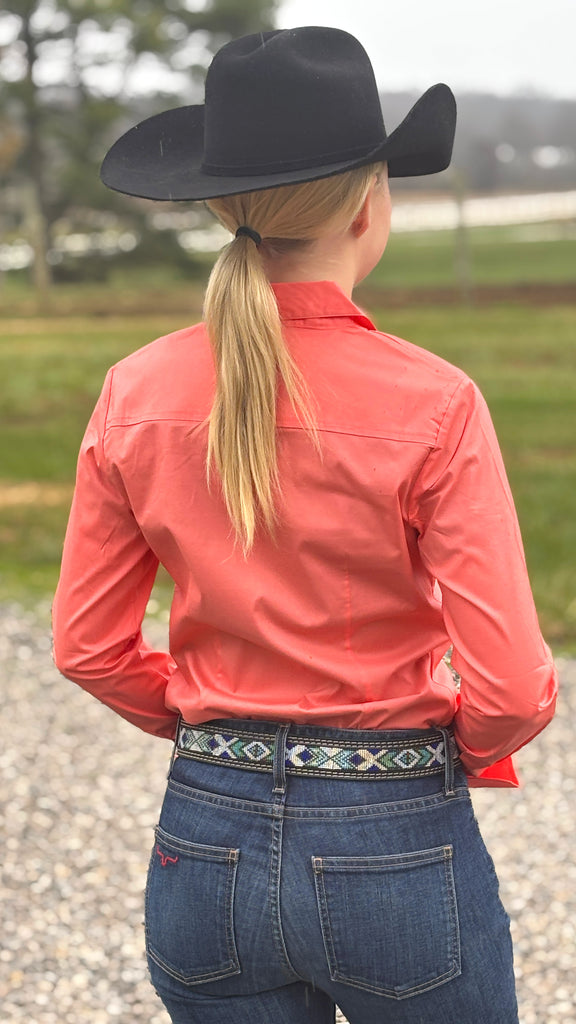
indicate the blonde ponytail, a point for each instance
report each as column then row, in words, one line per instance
column 245, row 331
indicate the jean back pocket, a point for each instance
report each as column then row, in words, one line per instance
column 190, row 910
column 389, row 923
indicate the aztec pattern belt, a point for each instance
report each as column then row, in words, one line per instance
column 398, row 759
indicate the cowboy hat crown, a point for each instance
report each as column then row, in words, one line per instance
column 280, row 108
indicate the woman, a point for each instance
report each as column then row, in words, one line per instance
column 331, row 504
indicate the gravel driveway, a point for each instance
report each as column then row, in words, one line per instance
column 80, row 795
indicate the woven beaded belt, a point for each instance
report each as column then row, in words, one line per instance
column 397, row 759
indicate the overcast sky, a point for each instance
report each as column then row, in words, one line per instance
column 500, row 46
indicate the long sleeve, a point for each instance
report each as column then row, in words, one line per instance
column 108, row 571
column 469, row 540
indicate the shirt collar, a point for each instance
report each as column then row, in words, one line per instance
column 306, row 300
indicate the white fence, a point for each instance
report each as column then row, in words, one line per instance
column 407, row 215
column 485, row 211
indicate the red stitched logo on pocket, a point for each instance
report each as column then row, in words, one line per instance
column 165, row 859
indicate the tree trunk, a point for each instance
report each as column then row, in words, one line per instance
column 37, row 234
column 35, row 195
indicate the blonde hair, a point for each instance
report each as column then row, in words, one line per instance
column 245, row 332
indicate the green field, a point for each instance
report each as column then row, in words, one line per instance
column 525, row 255
column 523, row 358
column 519, row 254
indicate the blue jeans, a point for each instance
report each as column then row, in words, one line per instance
column 273, row 899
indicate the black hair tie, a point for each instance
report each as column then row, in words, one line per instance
column 244, row 230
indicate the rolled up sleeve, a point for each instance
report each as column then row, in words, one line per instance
column 469, row 540
column 107, row 573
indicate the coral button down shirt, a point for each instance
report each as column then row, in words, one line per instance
column 398, row 542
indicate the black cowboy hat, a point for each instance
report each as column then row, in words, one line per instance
column 281, row 108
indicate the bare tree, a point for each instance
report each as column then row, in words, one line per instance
column 70, row 70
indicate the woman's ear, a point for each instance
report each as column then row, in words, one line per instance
column 361, row 222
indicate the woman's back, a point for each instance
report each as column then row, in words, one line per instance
column 335, row 619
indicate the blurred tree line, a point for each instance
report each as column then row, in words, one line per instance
column 513, row 143
column 74, row 74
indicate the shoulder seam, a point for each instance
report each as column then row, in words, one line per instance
column 109, row 378
column 465, row 380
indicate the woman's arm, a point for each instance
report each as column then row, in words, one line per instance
column 107, row 574
column 470, row 542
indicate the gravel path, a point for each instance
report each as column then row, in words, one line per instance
column 80, row 794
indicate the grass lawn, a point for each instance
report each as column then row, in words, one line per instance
column 495, row 255
column 52, row 371
column 523, row 358
column 524, row 254
column 524, row 361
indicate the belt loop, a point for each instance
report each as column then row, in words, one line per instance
column 448, row 764
column 280, row 759
column 175, row 747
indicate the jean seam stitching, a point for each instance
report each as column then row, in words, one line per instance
column 416, row 805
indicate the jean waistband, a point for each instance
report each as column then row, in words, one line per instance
column 318, row 751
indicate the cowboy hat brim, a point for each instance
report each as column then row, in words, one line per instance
column 161, row 158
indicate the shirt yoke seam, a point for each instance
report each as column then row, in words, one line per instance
column 426, row 442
